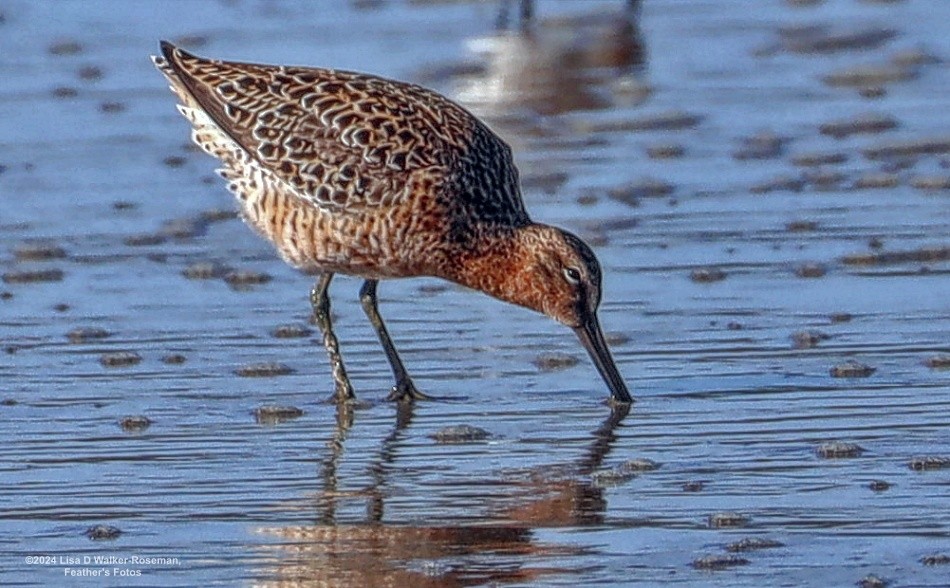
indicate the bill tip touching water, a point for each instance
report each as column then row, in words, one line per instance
column 356, row 174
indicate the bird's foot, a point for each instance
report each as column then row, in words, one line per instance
column 406, row 391
column 617, row 404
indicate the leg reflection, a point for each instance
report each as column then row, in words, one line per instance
column 497, row 548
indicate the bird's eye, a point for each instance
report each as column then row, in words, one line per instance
column 573, row 276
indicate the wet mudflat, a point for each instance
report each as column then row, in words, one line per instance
column 766, row 184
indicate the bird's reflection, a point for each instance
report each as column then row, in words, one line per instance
column 553, row 66
column 335, row 446
column 502, row 549
column 526, row 12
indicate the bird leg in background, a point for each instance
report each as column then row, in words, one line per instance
column 404, row 390
column 320, row 302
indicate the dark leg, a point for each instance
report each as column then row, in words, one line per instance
column 321, row 312
column 404, row 390
column 527, row 11
column 502, row 22
column 633, row 9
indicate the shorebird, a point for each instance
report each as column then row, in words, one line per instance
column 355, row 174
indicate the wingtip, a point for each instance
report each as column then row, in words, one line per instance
column 174, row 54
column 167, row 48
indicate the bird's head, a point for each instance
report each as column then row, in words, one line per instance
column 554, row 272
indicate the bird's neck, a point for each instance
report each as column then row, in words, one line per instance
column 503, row 267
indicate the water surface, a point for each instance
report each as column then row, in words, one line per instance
column 728, row 97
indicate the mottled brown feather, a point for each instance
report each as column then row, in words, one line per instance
column 346, row 141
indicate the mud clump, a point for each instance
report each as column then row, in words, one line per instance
column 666, row 151
column 851, row 369
column 144, row 240
column 765, row 145
column 433, row 289
column 553, row 362
column 175, row 161
column 120, row 359
column 722, row 520
column 64, row 92
column 112, row 107
column 719, row 562
column 871, row 581
column 922, row 255
column 638, row 465
column 38, row 252
column 65, row 47
column 912, row 148
column 931, row 183
column 818, row 39
column 274, row 414
column 86, row 334
column 913, row 57
column 90, row 73
column 870, row 76
column 707, row 275
column 876, row 181
column 816, row 159
column 264, row 370
column 217, row 215
column 458, row 434
column 861, row 124
column 838, row 450
column 103, row 532
column 753, row 544
column 808, row 339
column 205, row 270
column 631, row 194
column 929, row 463
column 184, row 228
column 673, row 120
column 872, row 92
column 549, row 182
column 938, row 362
column 811, row 270
column 135, row 424
column 937, row 559
column 779, row 184
column 240, row 279
column 824, row 179
column 33, row 276
column 616, row 338
column 801, row 226
column 291, row 331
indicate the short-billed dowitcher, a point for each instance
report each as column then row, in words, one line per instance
column 356, row 174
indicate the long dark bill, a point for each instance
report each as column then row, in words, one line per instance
column 593, row 340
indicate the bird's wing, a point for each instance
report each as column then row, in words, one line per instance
column 345, row 140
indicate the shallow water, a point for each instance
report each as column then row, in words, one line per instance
column 93, row 154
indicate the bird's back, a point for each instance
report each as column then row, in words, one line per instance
column 348, row 142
